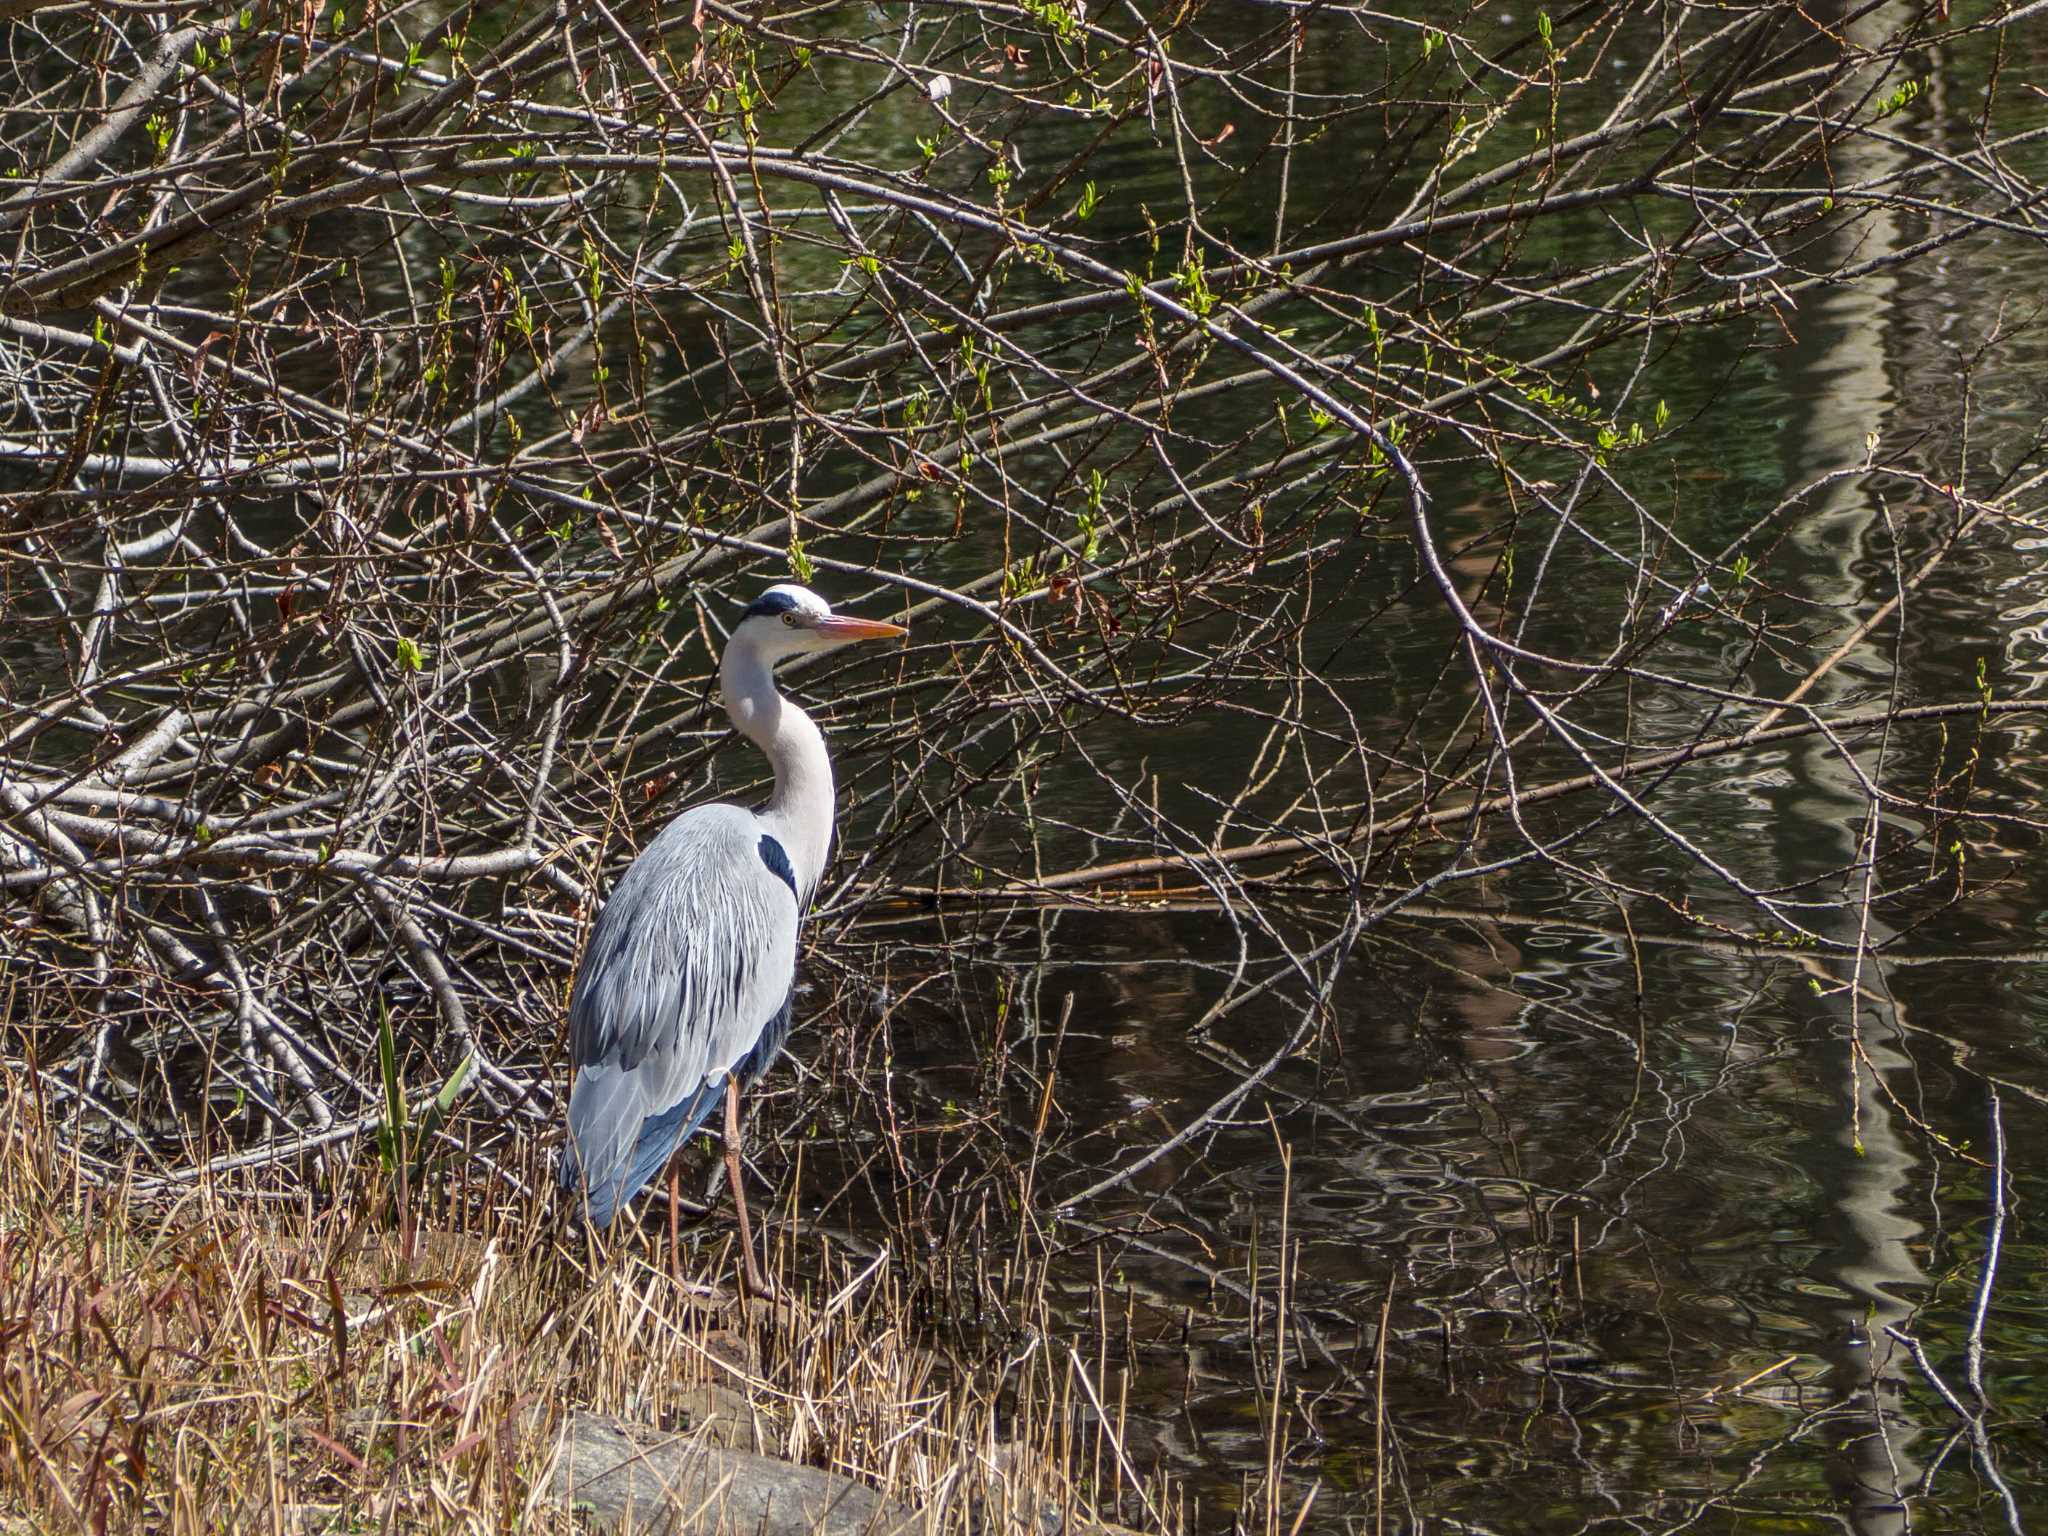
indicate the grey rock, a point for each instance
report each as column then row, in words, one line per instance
column 628, row 1479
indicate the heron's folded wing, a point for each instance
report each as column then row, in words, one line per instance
column 688, row 963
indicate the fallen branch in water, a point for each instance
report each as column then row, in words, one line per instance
column 1404, row 823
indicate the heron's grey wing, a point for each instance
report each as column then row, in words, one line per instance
column 688, row 966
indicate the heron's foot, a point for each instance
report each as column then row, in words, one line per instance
column 754, row 1282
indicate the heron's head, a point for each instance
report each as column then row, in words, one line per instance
column 789, row 620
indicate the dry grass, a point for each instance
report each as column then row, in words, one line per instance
column 236, row 1360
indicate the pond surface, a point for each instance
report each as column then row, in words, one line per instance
column 1582, row 1219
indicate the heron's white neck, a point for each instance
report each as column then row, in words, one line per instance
column 799, row 813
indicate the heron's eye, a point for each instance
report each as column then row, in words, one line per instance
column 789, row 619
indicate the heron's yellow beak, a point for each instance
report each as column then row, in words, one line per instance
column 839, row 627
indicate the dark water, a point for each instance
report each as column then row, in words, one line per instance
column 1636, row 1206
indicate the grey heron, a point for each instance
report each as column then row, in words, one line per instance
column 684, row 991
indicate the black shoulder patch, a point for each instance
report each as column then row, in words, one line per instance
column 768, row 604
column 777, row 860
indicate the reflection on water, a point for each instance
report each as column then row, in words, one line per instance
column 1867, row 1234
column 1630, row 1265
column 1590, row 1229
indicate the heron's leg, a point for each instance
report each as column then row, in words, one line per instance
column 734, row 1176
column 675, row 1244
